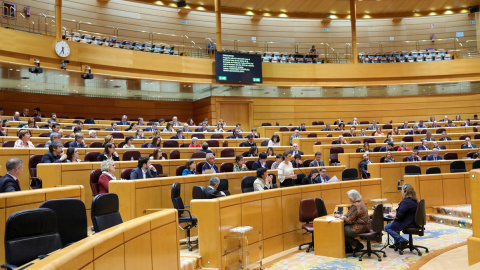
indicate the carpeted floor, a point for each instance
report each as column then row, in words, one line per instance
column 437, row 237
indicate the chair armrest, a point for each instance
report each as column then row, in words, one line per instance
column 189, row 213
column 399, row 184
column 9, row 266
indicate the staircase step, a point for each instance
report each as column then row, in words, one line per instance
column 462, row 211
column 190, row 262
column 452, row 220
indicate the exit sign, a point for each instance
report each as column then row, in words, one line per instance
column 222, row 78
column 256, row 79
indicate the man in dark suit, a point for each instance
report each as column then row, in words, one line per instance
column 323, row 175
column 327, row 128
column 205, row 149
column 467, row 123
column 37, row 113
column 9, row 182
column 186, row 128
column 249, row 142
column 364, row 166
column 261, row 162
column 295, row 150
column 144, row 170
column 210, row 164
column 468, row 144
column 16, row 117
column 55, row 129
column 255, row 133
column 424, row 146
column 414, row 131
column 113, row 128
column 302, row 127
column 317, row 162
column 55, row 153
column 203, row 128
column 179, row 135
column 152, row 128
column 451, row 124
column 236, row 135
column 79, row 141
column 388, row 147
column 429, row 137
column 434, row 155
column 25, row 113
column 373, row 126
column 124, row 121
column 445, row 119
column 434, row 125
column 211, row 191
column 404, row 126
column 414, row 156
column 444, row 137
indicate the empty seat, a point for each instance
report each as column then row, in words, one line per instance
column 450, row 156
column 105, row 212
column 412, row 170
column 247, row 184
column 226, row 167
column 433, row 170
column 457, row 166
column 349, row 174
column 131, row 155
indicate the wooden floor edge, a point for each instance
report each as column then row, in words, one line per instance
column 424, row 260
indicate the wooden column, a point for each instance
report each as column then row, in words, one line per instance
column 218, row 17
column 353, row 20
column 477, row 18
column 58, row 19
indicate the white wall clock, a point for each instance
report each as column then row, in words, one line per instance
column 62, row 49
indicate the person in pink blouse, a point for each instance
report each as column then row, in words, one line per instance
column 195, row 143
column 24, row 140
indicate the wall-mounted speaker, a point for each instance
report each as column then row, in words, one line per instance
column 181, row 4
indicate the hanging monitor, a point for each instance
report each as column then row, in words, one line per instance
column 238, row 67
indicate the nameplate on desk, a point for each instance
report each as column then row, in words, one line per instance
column 328, row 219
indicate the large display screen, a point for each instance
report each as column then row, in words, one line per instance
column 238, row 67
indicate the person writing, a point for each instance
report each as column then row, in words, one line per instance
column 286, row 174
column 356, row 221
column 404, row 216
column 263, row 181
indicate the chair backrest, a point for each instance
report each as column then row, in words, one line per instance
column 247, row 183
column 174, row 154
column 245, row 153
column 334, row 151
column 249, row 164
column 377, row 148
column 266, row 124
column 413, row 170
column 40, row 145
column 30, row 233
column 198, row 192
column 95, row 145
column 476, row 164
column 176, row 199
column 355, row 142
column 71, row 218
column 126, row 173
column 284, row 129
column 318, row 143
column 226, row 167
column 217, row 136
column 94, row 175
column 421, row 215
column 225, row 144
column 349, row 174
column 457, row 166
column 377, row 222
column 105, row 212
column 199, row 166
column 8, row 144
column 170, row 144
column 92, row 156
column 369, row 140
column 264, row 143
column 199, row 154
column 440, row 130
column 306, row 162
column 477, row 136
column 223, row 186
column 269, row 163
column 307, row 210
column 117, row 135
column 321, row 209
column 131, row 155
column 212, row 143
column 158, row 167
column 433, row 170
column 407, row 138
column 198, row 135
column 450, row 156
column 463, row 137
column 312, row 135
column 43, row 135
column 32, row 164
column 180, row 170
column 387, row 126
column 121, row 144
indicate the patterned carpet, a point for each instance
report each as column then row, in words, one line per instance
column 437, row 237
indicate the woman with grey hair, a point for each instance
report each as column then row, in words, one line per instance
column 195, row 143
column 108, row 169
column 356, row 221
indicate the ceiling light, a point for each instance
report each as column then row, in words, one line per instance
column 283, row 15
column 160, row 3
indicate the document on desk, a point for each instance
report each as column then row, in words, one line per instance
column 333, row 179
column 330, row 219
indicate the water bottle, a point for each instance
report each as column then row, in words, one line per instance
column 132, row 159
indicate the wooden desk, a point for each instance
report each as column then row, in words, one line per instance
column 329, row 237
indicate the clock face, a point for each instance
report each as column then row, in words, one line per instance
column 62, row 49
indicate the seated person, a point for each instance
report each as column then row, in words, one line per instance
column 445, row 119
column 203, row 128
column 467, row 123
column 364, row 166
column 356, row 221
column 253, row 151
column 404, row 216
column 355, row 122
column 79, row 141
column 153, row 127
column 434, row 125
column 450, row 124
column 274, row 141
column 297, row 161
column 468, row 144
column 240, row 164
column 109, row 153
column 144, row 169
column 434, row 155
column 389, row 158
column 249, row 142
column 55, row 153
column 219, row 128
column 169, row 128
column 156, row 142
column 72, row 155
column 255, row 134
column 445, row 137
column 413, row 131
column 124, row 121
column 211, row 191
column 261, row 162
column 312, row 178
column 92, row 134
column 421, row 124
column 157, row 154
column 9, row 182
column 295, row 150
column 438, row 146
column 424, row 146
column 296, row 134
column 327, row 128
column 302, row 127
column 140, row 122
column 341, row 140
column 186, row 128
column 24, row 140
column 366, row 148
column 205, row 149
column 396, row 131
column 341, row 127
column 210, row 164
column 129, row 142
column 404, row 126
column 378, row 132
column 263, row 181
column 388, row 147
column 113, row 128
column 362, row 133
column 352, row 133
column 37, row 113
column 108, row 174
column 389, row 139
column 278, row 160
column 403, row 146
column 238, row 127
column 429, row 137
column 179, row 135
column 189, row 168
column 195, row 143
column 54, row 137
column 139, row 134
column 236, row 135
column 476, row 155
column 414, row 157
column 373, row 126
column 317, row 162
